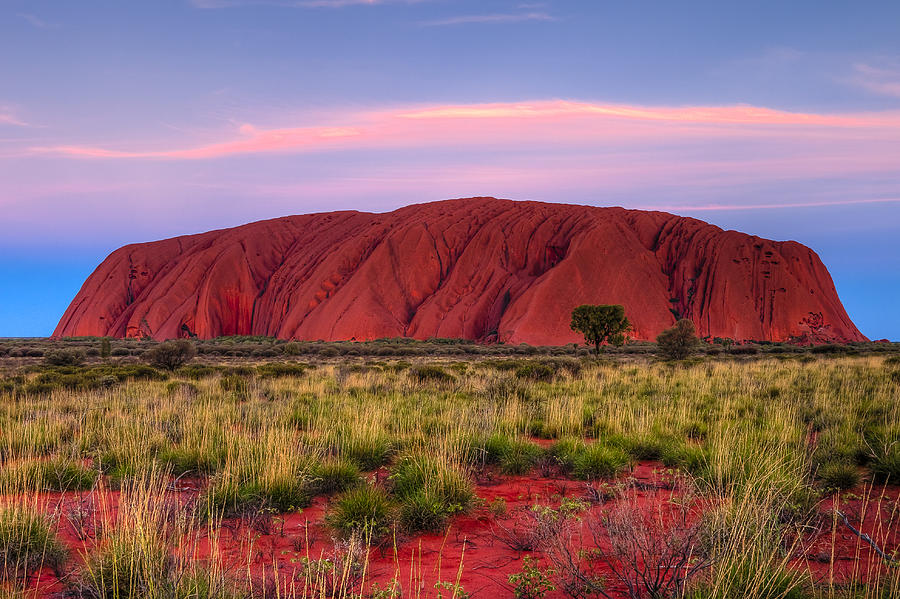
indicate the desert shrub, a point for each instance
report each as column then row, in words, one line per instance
column 838, row 476
column 28, row 543
column 280, row 369
column 292, row 348
column 531, row 582
column 335, row 476
column 170, row 355
column 744, row 350
column 599, row 461
column 536, row 371
column 431, row 373
column 366, row 511
column 64, row 357
column 197, row 371
column 678, row 342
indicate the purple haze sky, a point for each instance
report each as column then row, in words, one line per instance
column 130, row 121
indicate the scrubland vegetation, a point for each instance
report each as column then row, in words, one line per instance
column 773, row 474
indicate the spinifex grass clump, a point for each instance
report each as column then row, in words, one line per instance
column 429, row 491
column 58, row 473
column 148, row 549
column 598, row 460
column 267, row 472
column 334, row 476
column 366, row 511
column 28, row 542
column 513, row 455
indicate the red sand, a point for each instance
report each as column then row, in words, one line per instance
column 480, row 268
column 423, row 560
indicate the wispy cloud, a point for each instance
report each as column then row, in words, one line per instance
column 36, row 21
column 294, row 3
column 551, row 123
column 7, row 117
column 879, row 80
column 498, row 18
column 733, row 207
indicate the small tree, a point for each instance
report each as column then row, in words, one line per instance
column 600, row 323
column 171, row 354
column 105, row 348
column 678, row 342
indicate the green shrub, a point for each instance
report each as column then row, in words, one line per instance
column 366, row 510
column 431, row 373
column 531, row 582
column 197, row 371
column 599, row 461
column 281, row 369
column 678, row 342
column 536, row 371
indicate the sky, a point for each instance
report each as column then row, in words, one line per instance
column 123, row 122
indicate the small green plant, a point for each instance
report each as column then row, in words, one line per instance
column 455, row 589
column 531, row 582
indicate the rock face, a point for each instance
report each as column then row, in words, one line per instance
column 478, row 268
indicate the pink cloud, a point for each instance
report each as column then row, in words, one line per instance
column 550, row 123
column 8, row 118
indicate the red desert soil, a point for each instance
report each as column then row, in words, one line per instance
column 479, row 268
column 421, row 561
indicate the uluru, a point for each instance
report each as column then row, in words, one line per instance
column 478, row 268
